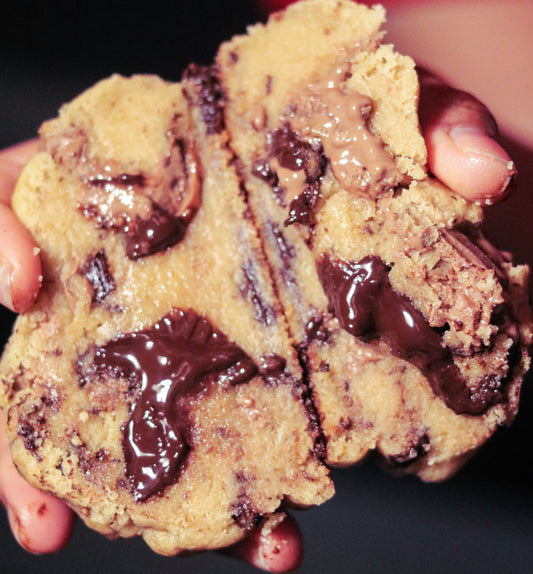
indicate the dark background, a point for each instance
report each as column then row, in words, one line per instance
column 479, row 521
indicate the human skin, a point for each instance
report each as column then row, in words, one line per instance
column 461, row 137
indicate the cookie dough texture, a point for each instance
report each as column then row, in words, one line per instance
column 194, row 362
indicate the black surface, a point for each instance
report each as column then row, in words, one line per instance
column 480, row 521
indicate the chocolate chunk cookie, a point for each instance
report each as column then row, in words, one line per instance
column 153, row 385
column 413, row 329
column 249, row 276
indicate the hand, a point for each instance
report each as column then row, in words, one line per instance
column 20, row 266
column 462, row 152
column 460, row 135
column 39, row 522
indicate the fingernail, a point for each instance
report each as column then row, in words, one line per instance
column 471, row 139
column 5, row 285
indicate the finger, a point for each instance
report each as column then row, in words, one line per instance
column 274, row 549
column 12, row 160
column 20, row 266
column 39, row 522
column 461, row 136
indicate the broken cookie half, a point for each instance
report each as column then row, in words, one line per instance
column 248, row 277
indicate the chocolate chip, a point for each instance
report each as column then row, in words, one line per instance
column 285, row 252
column 272, row 365
column 411, row 454
column 121, row 180
column 30, row 435
column 251, row 289
column 268, row 86
column 210, row 94
column 245, row 514
column 98, row 273
column 295, row 154
column 261, row 169
column 315, row 330
column 302, row 208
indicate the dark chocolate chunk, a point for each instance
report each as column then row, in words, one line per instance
column 124, row 180
column 144, row 236
column 412, row 454
column 158, row 232
column 98, row 274
column 210, row 94
column 296, row 154
column 285, row 253
column 176, row 359
column 469, row 242
column 261, row 169
column 244, row 513
column 363, row 300
column 302, row 207
column 251, row 289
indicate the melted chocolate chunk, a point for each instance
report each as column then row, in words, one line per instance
column 210, row 94
column 158, row 232
column 315, row 330
column 97, row 272
column 251, row 289
column 302, row 208
column 144, row 236
column 175, row 360
column 272, row 367
column 363, row 300
column 295, row 154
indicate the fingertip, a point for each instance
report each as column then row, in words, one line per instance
column 42, row 524
column 469, row 161
column 461, row 138
column 20, row 264
column 273, row 548
column 12, row 160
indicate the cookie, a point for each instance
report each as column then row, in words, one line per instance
column 153, row 385
column 250, row 277
column 412, row 328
